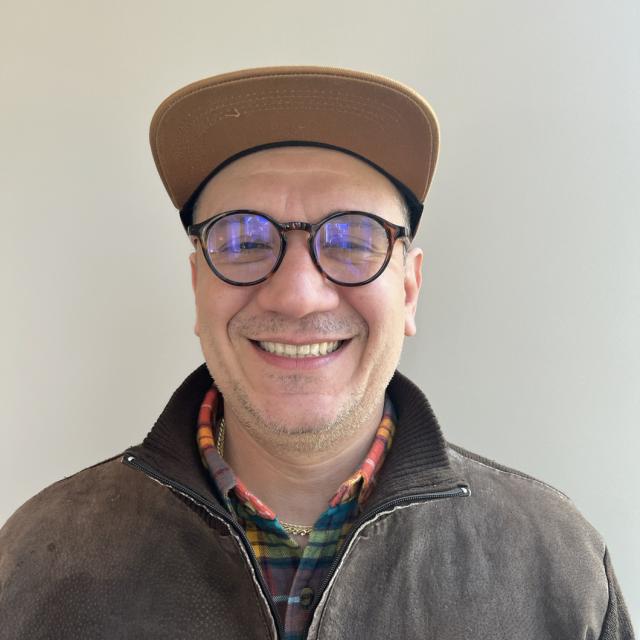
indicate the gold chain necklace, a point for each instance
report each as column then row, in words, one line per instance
column 291, row 529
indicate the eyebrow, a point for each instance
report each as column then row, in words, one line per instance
column 261, row 212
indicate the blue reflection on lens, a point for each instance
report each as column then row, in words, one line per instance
column 355, row 238
column 351, row 248
column 248, row 232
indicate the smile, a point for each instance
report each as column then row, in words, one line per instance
column 313, row 350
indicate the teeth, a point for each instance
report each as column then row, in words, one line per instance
column 300, row 350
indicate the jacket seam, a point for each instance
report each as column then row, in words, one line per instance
column 76, row 473
column 489, row 464
column 610, row 605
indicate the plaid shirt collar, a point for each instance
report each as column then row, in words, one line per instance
column 359, row 484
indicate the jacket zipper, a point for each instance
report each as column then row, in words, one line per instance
column 214, row 510
column 460, row 491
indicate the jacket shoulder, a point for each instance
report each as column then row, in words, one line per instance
column 112, row 553
column 543, row 511
column 470, row 462
column 62, row 508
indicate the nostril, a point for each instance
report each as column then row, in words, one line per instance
column 298, row 288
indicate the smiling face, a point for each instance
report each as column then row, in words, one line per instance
column 300, row 361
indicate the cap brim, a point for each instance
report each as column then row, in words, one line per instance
column 203, row 124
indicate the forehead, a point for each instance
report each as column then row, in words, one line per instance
column 309, row 181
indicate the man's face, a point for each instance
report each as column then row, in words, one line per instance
column 307, row 403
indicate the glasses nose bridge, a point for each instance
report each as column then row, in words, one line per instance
column 298, row 225
column 285, row 227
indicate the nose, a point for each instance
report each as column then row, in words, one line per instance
column 297, row 288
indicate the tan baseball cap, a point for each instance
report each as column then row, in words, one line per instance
column 208, row 123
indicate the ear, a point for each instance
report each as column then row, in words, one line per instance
column 194, row 283
column 412, row 284
column 194, row 271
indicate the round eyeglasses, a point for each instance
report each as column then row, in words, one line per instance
column 350, row 248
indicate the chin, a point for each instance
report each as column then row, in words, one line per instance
column 298, row 425
column 298, row 414
column 306, row 427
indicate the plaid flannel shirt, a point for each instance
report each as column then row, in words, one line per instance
column 293, row 574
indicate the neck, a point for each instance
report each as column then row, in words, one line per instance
column 297, row 486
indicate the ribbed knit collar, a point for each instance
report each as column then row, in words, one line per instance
column 417, row 463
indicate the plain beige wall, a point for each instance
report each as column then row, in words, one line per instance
column 529, row 325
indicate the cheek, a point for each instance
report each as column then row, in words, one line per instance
column 382, row 308
column 216, row 305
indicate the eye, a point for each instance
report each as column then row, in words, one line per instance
column 242, row 238
column 345, row 242
column 237, row 245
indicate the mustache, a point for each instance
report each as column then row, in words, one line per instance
column 318, row 324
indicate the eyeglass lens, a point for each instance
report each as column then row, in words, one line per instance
column 351, row 248
column 244, row 247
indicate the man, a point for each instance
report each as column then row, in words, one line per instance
column 297, row 486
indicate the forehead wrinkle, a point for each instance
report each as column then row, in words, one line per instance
column 268, row 170
column 344, row 180
column 295, row 203
column 350, row 185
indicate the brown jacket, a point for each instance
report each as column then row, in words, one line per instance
column 450, row 546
